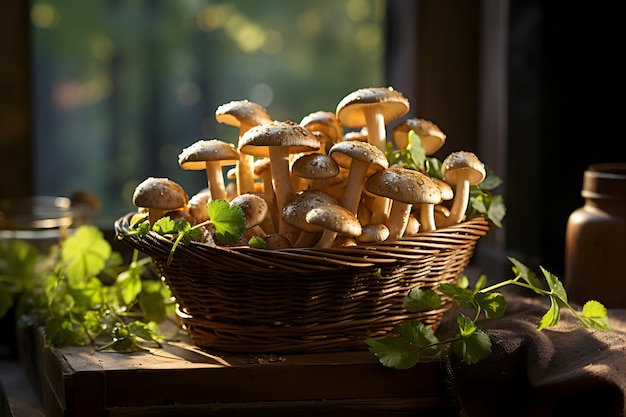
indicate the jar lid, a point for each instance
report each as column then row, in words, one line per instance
column 605, row 181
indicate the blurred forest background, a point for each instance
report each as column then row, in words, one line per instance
column 120, row 87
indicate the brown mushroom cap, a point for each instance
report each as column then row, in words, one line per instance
column 294, row 212
column 431, row 136
column 334, row 219
column 373, row 232
column 159, row 195
column 210, row 155
column 324, row 122
column 405, row 187
column 254, row 208
column 276, row 134
column 197, row 205
column 243, row 114
column 351, row 110
column 315, row 166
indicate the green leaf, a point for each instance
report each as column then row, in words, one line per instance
column 594, row 315
column 257, row 242
column 555, row 284
column 474, row 348
column 228, row 220
column 463, row 296
column 165, row 225
column 420, row 335
column 526, row 274
column 85, row 253
column 394, row 352
column 129, row 285
column 146, row 331
column 420, row 299
column 416, row 150
column 552, row 316
column 493, row 304
column 481, row 282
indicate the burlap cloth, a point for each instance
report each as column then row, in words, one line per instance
column 566, row 370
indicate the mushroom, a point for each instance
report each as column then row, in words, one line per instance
column 429, row 133
column 158, row 196
column 294, row 214
column 405, row 187
column 210, row 155
column 254, row 210
column 327, row 124
column 373, row 232
column 461, row 169
column 335, row 219
column 316, row 167
column 277, row 140
column 362, row 159
column 243, row 114
column 197, row 205
column 373, row 108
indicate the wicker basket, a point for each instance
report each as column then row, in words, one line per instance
column 246, row 300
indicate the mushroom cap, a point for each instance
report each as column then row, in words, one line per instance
column 403, row 184
column 447, row 193
column 360, row 135
column 335, row 218
column 344, row 152
column 431, row 136
column 254, row 208
column 325, row 122
column 258, row 139
column 463, row 164
column 160, row 193
column 197, row 204
column 391, row 103
column 294, row 212
column 242, row 112
column 315, row 166
column 373, row 232
column 195, row 157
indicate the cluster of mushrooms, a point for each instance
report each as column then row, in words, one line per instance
column 315, row 184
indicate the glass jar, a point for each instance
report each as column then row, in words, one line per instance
column 595, row 241
column 39, row 220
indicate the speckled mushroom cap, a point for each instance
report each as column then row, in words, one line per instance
column 351, row 109
column 160, row 193
column 195, row 157
column 403, row 184
column 463, row 164
column 242, row 112
column 345, row 152
column 258, row 139
column 294, row 212
column 324, row 121
column 431, row 136
column 335, row 218
column 254, row 208
column 315, row 166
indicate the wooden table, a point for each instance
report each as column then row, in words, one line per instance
column 180, row 379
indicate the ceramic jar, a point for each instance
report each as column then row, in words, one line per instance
column 595, row 241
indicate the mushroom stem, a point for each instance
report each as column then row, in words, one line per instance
column 427, row 217
column 281, row 182
column 460, row 203
column 215, row 179
column 375, row 122
column 398, row 219
column 356, row 179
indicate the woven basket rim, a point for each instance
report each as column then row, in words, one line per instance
column 363, row 255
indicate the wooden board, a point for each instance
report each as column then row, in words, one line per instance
column 183, row 380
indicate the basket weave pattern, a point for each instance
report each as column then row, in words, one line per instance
column 246, row 300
